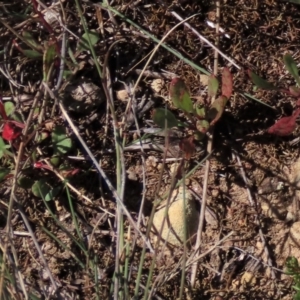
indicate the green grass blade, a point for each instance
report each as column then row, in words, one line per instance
column 257, row 100
column 156, row 40
column 291, row 66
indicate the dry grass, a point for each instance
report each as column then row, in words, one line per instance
column 91, row 240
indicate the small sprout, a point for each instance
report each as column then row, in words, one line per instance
column 291, row 66
column 260, row 82
column 227, row 83
column 213, row 85
column 164, row 118
column 84, row 41
column 216, row 110
column 61, row 142
column 201, row 111
column 42, row 189
column 202, row 117
column 202, row 126
column 180, row 95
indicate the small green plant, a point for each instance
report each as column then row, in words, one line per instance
column 11, row 131
column 203, row 116
column 293, row 269
column 286, row 125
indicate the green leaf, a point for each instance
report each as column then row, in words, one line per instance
column 213, row 85
column 84, row 41
column 180, row 95
column 164, row 118
column 55, row 161
column 61, row 142
column 40, row 188
column 52, row 193
column 297, row 296
column 3, row 149
column 32, row 54
column 48, row 60
column 260, row 82
column 216, row 110
column 31, row 41
column 9, row 108
column 201, row 111
column 43, row 190
column 67, row 74
column 202, row 126
column 291, row 66
column 3, row 173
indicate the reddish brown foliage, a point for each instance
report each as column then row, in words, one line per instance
column 286, row 125
column 188, row 147
column 10, row 131
column 227, row 83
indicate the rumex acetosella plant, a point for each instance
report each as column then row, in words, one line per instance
column 286, row 125
column 200, row 117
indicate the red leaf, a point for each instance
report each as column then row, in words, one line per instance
column 17, row 124
column 10, row 131
column 285, row 126
column 40, row 165
column 188, row 147
column 69, row 173
column 294, row 91
column 227, row 83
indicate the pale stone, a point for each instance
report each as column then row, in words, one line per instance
column 179, row 213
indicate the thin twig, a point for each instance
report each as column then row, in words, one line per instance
column 252, row 203
column 37, row 246
column 120, row 165
column 14, row 186
column 195, row 258
column 202, row 38
column 101, row 172
column 207, row 164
